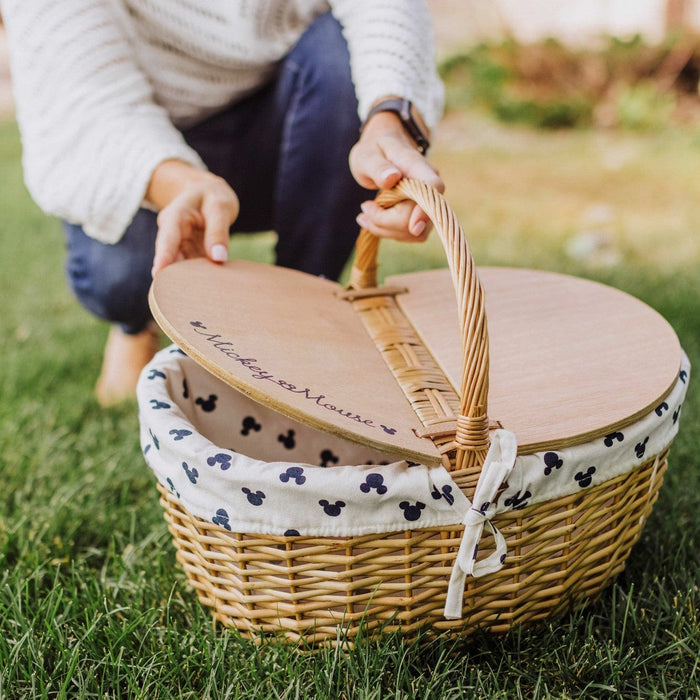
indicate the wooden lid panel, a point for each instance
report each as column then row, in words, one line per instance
column 284, row 339
column 569, row 358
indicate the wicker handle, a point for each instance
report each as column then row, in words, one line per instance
column 472, row 432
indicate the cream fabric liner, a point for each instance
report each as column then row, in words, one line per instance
column 234, row 462
column 251, row 470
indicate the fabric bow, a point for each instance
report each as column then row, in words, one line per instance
column 498, row 464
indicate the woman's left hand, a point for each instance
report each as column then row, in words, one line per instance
column 384, row 155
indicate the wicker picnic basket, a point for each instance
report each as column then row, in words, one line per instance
column 527, row 559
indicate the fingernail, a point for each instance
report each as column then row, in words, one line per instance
column 390, row 172
column 418, row 228
column 364, row 206
column 219, row 253
column 362, row 220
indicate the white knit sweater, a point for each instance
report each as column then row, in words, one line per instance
column 100, row 84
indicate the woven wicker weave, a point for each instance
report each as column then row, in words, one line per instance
column 561, row 553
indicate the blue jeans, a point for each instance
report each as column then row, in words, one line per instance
column 284, row 151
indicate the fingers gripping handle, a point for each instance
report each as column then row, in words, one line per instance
column 472, row 435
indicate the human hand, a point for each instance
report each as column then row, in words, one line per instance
column 197, row 209
column 384, row 155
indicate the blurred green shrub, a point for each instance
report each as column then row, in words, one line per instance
column 625, row 84
column 644, row 106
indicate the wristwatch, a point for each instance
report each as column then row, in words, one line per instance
column 404, row 110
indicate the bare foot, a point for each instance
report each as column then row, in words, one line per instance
column 124, row 357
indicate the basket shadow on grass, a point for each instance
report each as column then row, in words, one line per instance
column 92, row 603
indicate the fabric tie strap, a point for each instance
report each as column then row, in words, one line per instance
column 498, row 464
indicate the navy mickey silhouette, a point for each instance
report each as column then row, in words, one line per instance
column 156, row 444
column 156, row 373
column 332, row 509
column 249, row 423
column 552, row 461
column 327, row 457
column 411, row 511
column 640, row 448
column 222, row 459
column 221, row 519
column 172, row 487
column 179, row 434
column 374, row 481
column 661, row 408
column 255, row 499
column 586, row 479
column 192, row 473
column 295, row 474
column 483, row 507
column 517, row 501
column 446, row 493
column 207, row 405
column 610, row 439
column 287, row 440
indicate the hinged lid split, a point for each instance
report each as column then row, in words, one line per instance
column 564, row 359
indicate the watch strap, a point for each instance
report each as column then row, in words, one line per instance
column 403, row 109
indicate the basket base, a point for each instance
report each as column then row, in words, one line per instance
column 561, row 554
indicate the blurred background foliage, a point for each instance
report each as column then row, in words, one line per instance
column 626, row 83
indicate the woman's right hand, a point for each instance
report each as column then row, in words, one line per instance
column 196, row 210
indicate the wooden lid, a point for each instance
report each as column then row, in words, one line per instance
column 284, row 338
column 570, row 359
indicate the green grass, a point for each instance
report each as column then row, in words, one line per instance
column 92, row 604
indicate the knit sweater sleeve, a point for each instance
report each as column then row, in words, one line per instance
column 91, row 132
column 392, row 52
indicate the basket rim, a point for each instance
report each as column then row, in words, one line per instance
column 535, row 478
